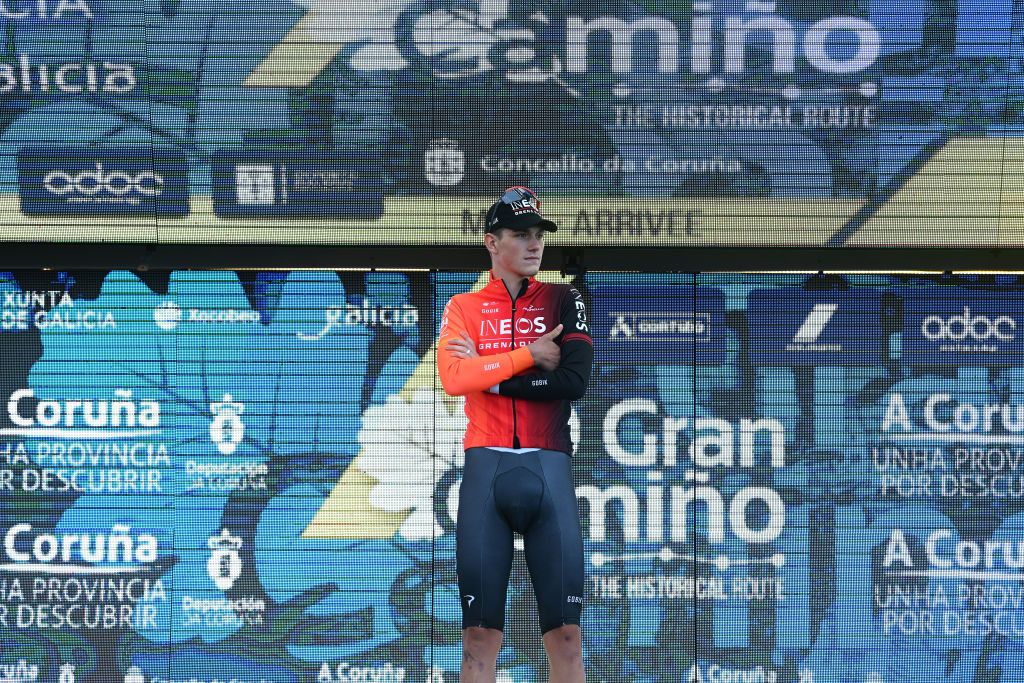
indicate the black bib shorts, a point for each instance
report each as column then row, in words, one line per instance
column 531, row 493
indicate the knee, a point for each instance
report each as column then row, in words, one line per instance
column 481, row 643
column 564, row 642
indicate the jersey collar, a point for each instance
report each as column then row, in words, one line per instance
column 498, row 284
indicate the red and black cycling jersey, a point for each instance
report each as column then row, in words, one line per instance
column 530, row 408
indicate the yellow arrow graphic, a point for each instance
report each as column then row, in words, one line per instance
column 323, row 32
column 347, row 511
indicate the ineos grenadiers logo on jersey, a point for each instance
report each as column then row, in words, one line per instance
column 490, row 329
column 582, row 324
column 503, row 334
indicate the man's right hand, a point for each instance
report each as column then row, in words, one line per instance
column 546, row 353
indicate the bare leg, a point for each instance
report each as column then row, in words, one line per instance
column 480, row 647
column 564, row 646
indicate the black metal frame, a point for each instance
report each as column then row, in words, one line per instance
column 572, row 260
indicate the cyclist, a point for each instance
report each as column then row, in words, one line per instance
column 519, row 350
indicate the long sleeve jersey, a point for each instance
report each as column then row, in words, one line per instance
column 531, row 407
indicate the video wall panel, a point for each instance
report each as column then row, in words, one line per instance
column 211, row 476
column 689, row 124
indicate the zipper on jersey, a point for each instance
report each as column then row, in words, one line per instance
column 515, row 425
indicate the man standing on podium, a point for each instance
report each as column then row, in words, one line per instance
column 519, row 350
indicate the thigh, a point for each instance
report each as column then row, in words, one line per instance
column 554, row 546
column 483, row 548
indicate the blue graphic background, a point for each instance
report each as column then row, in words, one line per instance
column 325, row 390
column 578, row 100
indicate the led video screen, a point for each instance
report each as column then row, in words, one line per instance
column 209, row 476
column 767, row 123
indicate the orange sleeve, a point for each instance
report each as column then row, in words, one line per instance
column 461, row 376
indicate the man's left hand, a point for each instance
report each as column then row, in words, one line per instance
column 462, row 348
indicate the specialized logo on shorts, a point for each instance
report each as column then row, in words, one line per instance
column 469, row 600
